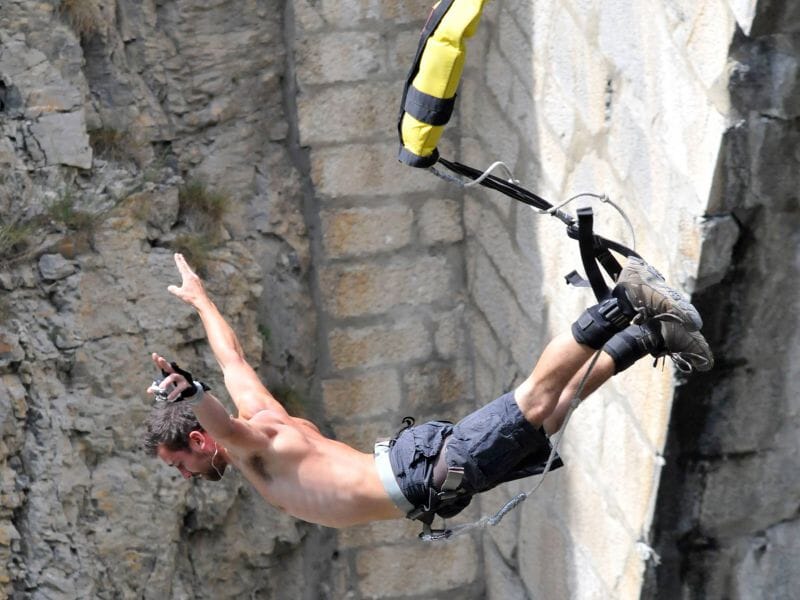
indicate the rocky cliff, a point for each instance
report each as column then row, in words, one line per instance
column 258, row 138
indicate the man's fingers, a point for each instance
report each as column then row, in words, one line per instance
column 182, row 265
column 162, row 363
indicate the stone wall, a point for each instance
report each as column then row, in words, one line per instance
column 365, row 291
column 613, row 98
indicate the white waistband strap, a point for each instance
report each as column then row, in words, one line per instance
column 388, row 479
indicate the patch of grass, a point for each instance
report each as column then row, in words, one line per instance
column 84, row 16
column 196, row 247
column 201, row 204
column 63, row 212
column 14, row 238
column 112, row 144
column 265, row 332
column 292, row 400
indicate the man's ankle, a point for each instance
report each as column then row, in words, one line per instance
column 601, row 322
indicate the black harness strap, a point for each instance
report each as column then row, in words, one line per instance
column 589, row 251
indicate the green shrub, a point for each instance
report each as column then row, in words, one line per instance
column 196, row 247
column 292, row 400
column 112, row 144
column 202, row 205
column 63, row 212
column 14, row 238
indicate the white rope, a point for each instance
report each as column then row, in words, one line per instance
column 488, row 172
column 602, row 198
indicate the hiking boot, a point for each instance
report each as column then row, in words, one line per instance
column 649, row 294
column 687, row 349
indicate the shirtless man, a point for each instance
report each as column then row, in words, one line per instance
column 300, row 471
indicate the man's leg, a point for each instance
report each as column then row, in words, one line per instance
column 669, row 329
column 564, row 356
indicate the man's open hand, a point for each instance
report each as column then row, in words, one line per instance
column 191, row 290
column 174, row 382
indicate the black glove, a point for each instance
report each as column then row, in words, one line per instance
column 190, row 391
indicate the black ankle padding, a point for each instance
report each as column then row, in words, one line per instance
column 631, row 344
column 599, row 323
column 624, row 349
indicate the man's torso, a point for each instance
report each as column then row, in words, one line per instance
column 303, row 473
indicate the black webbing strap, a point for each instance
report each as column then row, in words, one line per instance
column 428, row 109
column 593, row 248
column 589, row 253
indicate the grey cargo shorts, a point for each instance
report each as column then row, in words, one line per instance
column 493, row 445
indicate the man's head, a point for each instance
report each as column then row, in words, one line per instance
column 176, row 437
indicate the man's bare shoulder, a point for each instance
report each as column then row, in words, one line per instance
column 268, row 419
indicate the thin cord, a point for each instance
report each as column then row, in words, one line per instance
column 488, row 172
column 216, row 449
column 492, row 520
column 602, row 198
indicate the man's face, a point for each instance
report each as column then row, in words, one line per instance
column 194, row 462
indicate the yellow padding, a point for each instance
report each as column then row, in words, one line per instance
column 443, row 59
column 418, row 137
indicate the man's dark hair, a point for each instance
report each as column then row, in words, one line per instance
column 170, row 424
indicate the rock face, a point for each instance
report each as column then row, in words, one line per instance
column 727, row 506
column 258, row 137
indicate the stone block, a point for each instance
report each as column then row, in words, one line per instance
column 11, row 350
column 379, row 533
column 402, row 49
column 313, row 15
column 504, row 313
column 557, row 113
column 513, row 39
column 14, row 405
column 620, row 40
column 440, row 222
column 451, row 334
column 54, row 267
column 341, row 114
column 481, row 118
column 362, row 436
column 367, row 395
column 397, row 343
column 628, row 466
column 384, row 571
column 502, row 583
column 432, row 388
column 341, row 56
column 544, row 555
column 63, row 139
column 368, row 288
column 499, row 77
column 364, row 170
column 580, row 70
column 712, row 33
column 365, row 230
column 595, row 525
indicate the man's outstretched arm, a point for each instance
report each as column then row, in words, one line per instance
column 247, row 392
